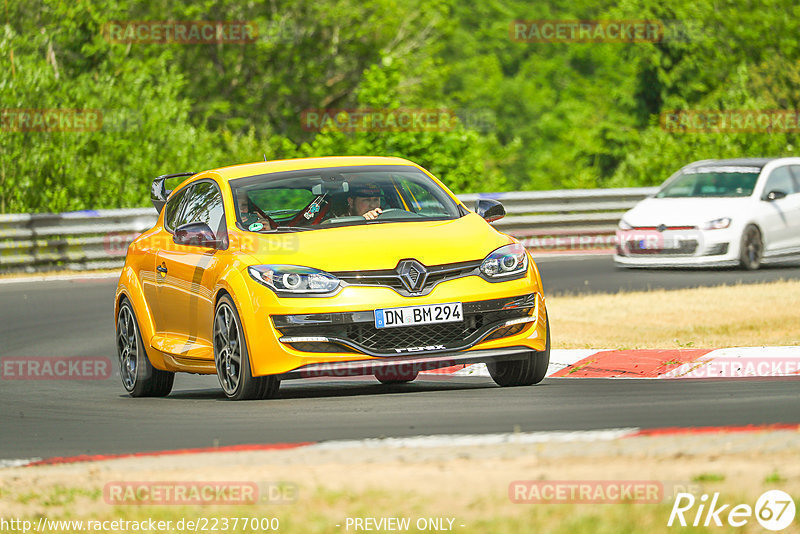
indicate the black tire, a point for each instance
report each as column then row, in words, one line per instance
column 232, row 360
column 526, row 372
column 139, row 377
column 752, row 249
column 396, row 375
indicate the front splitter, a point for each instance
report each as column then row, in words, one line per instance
column 408, row 364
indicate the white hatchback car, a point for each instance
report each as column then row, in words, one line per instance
column 716, row 213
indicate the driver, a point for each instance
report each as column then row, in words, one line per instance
column 365, row 200
column 246, row 212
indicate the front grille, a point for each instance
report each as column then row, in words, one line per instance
column 447, row 334
column 357, row 331
column 391, row 277
column 686, row 247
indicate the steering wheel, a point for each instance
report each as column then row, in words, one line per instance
column 389, row 211
column 260, row 212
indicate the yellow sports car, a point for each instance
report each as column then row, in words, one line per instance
column 324, row 267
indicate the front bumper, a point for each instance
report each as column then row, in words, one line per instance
column 304, row 332
column 356, row 331
column 678, row 248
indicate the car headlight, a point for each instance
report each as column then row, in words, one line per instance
column 294, row 279
column 717, row 224
column 624, row 225
column 505, row 261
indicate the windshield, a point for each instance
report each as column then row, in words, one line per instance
column 712, row 182
column 325, row 198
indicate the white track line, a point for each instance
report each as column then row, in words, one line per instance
column 559, row 359
column 17, row 463
column 59, row 278
column 454, row 440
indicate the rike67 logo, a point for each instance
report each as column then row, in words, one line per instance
column 774, row 510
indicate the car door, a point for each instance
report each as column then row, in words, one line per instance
column 780, row 216
column 152, row 279
column 186, row 271
column 793, row 208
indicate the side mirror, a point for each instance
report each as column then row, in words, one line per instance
column 196, row 234
column 775, row 195
column 490, row 210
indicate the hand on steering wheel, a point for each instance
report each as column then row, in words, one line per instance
column 372, row 214
column 265, row 219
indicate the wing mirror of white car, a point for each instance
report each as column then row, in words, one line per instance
column 775, row 195
column 490, row 210
column 197, row 234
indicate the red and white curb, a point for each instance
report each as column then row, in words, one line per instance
column 421, row 442
column 741, row 362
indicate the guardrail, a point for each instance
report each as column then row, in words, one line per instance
column 98, row 239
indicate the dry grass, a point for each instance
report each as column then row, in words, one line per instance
column 713, row 317
column 468, row 484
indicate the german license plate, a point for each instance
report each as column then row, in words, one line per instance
column 416, row 315
column 659, row 244
column 671, row 244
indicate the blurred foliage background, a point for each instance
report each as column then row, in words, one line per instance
column 534, row 115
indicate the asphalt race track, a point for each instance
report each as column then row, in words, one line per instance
column 74, row 318
column 597, row 274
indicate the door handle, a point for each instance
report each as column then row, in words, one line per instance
column 161, row 269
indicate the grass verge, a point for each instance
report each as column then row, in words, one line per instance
column 745, row 315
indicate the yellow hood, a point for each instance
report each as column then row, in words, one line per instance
column 380, row 246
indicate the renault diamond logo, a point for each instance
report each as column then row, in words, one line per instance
column 413, row 275
column 661, row 227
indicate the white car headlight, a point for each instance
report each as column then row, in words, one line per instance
column 624, row 225
column 717, row 224
column 294, row 279
column 505, row 261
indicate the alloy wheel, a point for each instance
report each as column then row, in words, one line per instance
column 227, row 349
column 127, row 347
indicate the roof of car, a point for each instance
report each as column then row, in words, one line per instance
column 264, row 167
column 754, row 162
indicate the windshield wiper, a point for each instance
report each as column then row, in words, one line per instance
column 281, row 212
column 289, row 229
